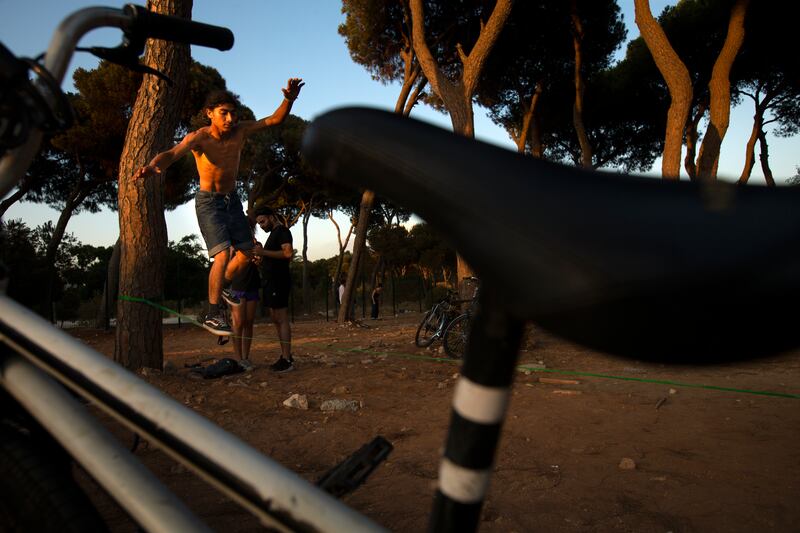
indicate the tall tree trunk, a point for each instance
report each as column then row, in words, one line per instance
column 749, row 153
column 24, row 187
column 691, row 139
column 76, row 196
column 359, row 244
column 528, row 112
column 306, row 287
column 720, row 94
column 676, row 75
column 580, row 88
column 110, row 288
column 143, row 230
column 457, row 94
column 764, row 159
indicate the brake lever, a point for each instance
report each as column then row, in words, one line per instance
column 127, row 55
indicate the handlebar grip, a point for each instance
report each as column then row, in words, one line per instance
column 169, row 28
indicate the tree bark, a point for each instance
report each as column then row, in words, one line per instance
column 691, row 140
column 720, row 94
column 457, row 94
column 143, row 230
column 306, row 287
column 75, row 198
column 110, row 288
column 528, row 112
column 345, row 310
column 764, row 159
column 676, row 75
column 577, row 108
column 24, row 187
column 749, row 154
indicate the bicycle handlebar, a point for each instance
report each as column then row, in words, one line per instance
column 137, row 23
column 169, row 28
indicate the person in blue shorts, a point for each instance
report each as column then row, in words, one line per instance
column 217, row 150
column 245, row 288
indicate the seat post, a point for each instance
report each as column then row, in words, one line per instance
column 479, row 408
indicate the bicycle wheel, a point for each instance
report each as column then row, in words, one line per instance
column 37, row 491
column 455, row 336
column 426, row 332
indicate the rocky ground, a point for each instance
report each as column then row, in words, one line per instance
column 651, row 452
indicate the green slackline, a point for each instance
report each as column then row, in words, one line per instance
column 521, row 368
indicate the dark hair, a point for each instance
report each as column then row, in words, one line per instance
column 264, row 210
column 219, row 97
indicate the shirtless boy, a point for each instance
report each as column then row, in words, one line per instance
column 217, row 149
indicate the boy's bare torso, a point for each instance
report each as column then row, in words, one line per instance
column 217, row 159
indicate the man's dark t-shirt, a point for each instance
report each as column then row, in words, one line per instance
column 276, row 269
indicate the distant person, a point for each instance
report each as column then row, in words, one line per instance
column 277, row 253
column 217, row 149
column 245, row 288
column 377, row 292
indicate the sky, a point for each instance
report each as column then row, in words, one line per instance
column 276, row 40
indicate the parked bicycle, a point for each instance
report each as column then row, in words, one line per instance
column 457, row 331
column 436, row 320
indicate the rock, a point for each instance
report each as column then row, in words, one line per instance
column 340, row 389
column 170, row 368
column 263, row 384
column 673, row 391
column 341, row 405
column 627, row 464
column 296, row 401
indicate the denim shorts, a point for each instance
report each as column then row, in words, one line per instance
column 222, row 221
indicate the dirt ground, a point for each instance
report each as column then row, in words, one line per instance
column 703, row 459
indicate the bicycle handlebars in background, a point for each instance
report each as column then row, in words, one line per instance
column 168, row 28
column 135, row 21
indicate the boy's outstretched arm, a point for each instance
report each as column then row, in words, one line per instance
column 290, row 94
column 163, row 160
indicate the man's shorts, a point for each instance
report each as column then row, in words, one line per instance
column 222, row 222
column 250, row 296
column 276, row 293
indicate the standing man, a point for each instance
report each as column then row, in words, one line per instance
column 277, row 253
column 217, row 149
column 376, row 300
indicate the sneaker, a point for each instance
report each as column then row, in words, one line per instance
column 217, row 325
column 231, row 298
column 246, row 364
column 282, row 365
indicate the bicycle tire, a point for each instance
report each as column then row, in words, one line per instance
column 426, row 331
column 455, row 336
column 37, row 490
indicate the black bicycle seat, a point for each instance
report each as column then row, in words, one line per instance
column 674, row 271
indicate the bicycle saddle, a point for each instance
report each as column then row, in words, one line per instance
column 673, row 271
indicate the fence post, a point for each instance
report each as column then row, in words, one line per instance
column 394, row 299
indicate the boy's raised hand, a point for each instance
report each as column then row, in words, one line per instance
column 292, row 90
column 148, row 170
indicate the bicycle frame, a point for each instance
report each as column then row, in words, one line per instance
column 38, row 359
